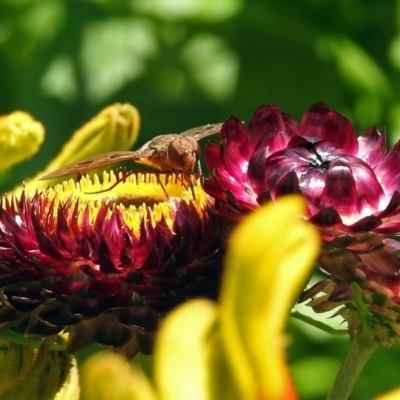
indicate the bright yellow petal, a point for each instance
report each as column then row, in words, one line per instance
column 108, row 376
column 393, row 395
column 269, row 258
column 182, row 352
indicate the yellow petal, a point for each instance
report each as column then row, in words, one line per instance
column 182, row 352
column 269, row 258
column 108, row 376
column 392, row 395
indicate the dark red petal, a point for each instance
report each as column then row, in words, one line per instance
column 212, row 155
column 372, row 146
column 212, row 188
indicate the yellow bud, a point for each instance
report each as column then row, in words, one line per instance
column 116, row 127
column 20, row 138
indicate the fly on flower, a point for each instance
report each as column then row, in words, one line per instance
column 169, row 153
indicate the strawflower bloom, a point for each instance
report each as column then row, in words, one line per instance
column 233, row 349
column 105, row 265
column 351, row 185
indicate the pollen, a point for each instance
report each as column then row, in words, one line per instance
column 152, row 196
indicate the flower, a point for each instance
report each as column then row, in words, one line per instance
column 105, row 265
column 234, row 348
column 352, row 188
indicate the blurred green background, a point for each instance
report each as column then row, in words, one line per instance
column 188, row 63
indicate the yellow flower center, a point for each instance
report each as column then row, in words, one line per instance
column 140, row 195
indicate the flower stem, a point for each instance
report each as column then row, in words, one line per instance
column 362, row 345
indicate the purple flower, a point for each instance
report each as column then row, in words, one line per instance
column 351, row 185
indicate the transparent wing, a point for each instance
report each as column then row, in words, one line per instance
column 203, row 131
column 97, row 161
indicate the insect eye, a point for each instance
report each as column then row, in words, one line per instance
column 174, row 154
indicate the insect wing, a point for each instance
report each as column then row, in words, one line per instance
column 97, row 161
column 203, row 131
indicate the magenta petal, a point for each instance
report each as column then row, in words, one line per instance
column 339, row 131
column 372, row 146
column 330, row 126
column 266, row 119
column 340, row 189
column 313, row 120
column 212, row 155
column 234, row 138
column 291, row 125
column 388, row 170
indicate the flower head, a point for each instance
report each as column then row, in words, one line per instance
column 105, row 266
column 351, row 185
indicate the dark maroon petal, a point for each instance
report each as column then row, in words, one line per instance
column 287, row 184
column 57, row 314
column 372, row 146
column 266, row 119
column 319, row 287
column 342, row 293
column 338, row 240
column 340, row 189
column 326, row 217
column 365, row 224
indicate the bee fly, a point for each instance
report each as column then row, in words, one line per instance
column 169, row 153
